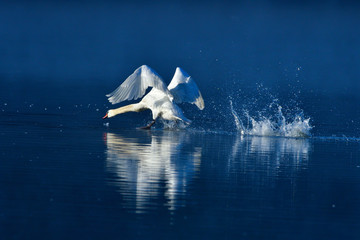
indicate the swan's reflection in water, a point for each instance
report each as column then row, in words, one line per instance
column 155, row 169
column 152, row 167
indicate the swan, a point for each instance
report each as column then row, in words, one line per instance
column 161, row 100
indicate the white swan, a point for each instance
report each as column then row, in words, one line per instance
column 161, row 100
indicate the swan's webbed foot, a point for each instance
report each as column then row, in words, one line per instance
column 148, row 127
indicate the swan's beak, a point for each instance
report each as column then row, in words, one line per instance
column 105, row 117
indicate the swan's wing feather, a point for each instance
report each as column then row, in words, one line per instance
column 184, row 89
column 136, row 84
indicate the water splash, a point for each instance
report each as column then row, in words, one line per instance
column 173, row 125
column 239, row 124
column 277, row 125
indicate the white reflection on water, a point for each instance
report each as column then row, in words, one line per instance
column 296, row 149
column 152, row 167
column 264, row 160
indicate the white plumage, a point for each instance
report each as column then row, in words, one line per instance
column 161, row 100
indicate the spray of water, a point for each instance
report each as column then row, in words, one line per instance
column 276, row 125
column 173, row 125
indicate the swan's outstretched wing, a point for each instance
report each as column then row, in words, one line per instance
column 184, row 89
column 136, row 84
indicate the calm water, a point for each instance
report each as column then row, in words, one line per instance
column 271, row 70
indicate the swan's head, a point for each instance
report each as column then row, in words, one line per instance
column 109, row 114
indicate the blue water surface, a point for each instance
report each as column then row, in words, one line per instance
column 67, row 173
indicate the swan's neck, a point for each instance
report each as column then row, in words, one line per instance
column 128, row 108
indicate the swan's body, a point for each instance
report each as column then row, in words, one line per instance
column 161, row 100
